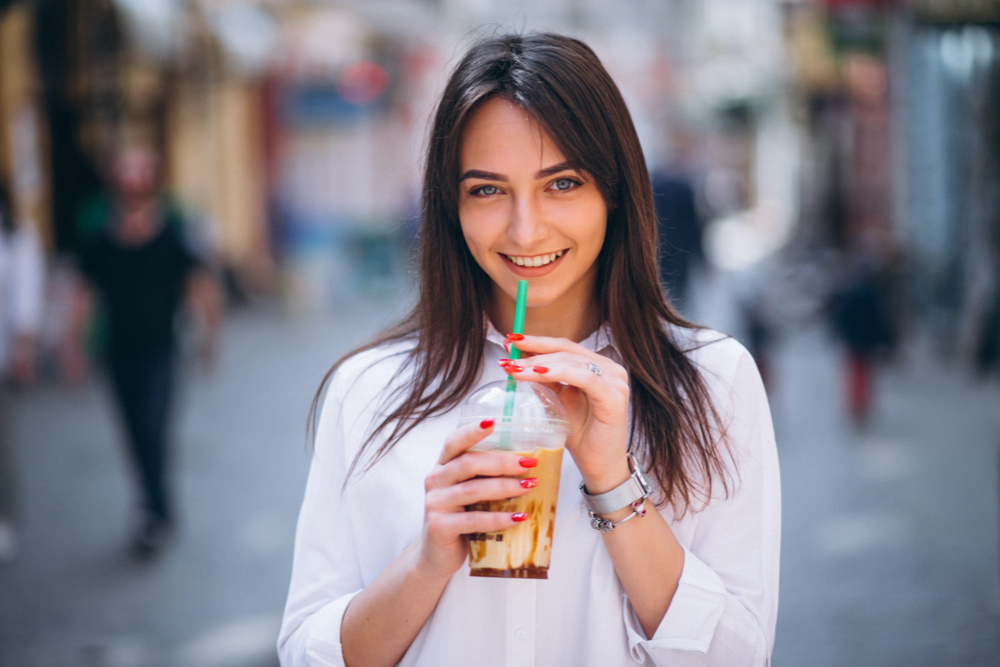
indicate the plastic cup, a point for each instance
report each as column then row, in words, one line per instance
column 537, row 427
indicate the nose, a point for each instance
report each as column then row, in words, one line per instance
column 527, row 227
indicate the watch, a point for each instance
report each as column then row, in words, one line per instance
column 633, row 490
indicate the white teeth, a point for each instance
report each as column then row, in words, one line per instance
column 538, row 260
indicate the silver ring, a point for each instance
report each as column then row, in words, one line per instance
column 594, row 369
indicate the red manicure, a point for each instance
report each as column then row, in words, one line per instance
column 527, row 462
column 513, row 368
column 486, row 423
column 529, row 482
column 504, row 362
column 541, row 370
column 514, row 336
column 518, row 516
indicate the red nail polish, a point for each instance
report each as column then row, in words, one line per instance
column 503, row 363
column 514, row 336
column 519, row 516
column 513, row 368
column 529, row 482
column 486, row 423
column 527, row 462
column 541, row 370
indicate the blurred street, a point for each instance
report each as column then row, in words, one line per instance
column 890, row 549
column 826, row 184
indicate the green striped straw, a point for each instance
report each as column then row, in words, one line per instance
column 508, row 406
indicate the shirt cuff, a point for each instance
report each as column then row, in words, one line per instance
column 323, row 647
column 691, row 619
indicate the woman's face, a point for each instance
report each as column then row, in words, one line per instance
column 524, row 212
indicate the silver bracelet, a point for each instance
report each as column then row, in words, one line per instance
column 606, row 525
column 636, row 487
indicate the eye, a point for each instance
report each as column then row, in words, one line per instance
column 564, row 184
column 486, row 190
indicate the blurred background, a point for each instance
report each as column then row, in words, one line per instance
column 827, row 175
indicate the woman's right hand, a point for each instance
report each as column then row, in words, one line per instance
column 463, row 478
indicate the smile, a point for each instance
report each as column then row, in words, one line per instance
column 537, row 260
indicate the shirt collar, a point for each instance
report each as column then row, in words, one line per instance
column 600, row 341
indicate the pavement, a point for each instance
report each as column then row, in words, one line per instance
column 890, row 541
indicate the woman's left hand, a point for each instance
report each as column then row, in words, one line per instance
column 597, row 403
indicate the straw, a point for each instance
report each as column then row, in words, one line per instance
column 508, row 406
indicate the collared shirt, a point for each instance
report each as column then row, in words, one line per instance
column 722, row 614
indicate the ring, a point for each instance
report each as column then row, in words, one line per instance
column 594, row 369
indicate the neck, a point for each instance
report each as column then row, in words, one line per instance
column 138, row 221
column 574, row 319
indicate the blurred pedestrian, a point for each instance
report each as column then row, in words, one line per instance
column 22, row 279
column 134, row 254
column 862, row 318
column 679, row 231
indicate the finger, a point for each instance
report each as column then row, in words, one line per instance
column 482, row 489
column 548, row 345
column 463, row 523
column 479, row 464
column 598, row 389
column 464, row 438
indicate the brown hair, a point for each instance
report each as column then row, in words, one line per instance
column 563, row 86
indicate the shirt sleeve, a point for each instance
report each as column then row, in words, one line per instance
column 725, row 607
column 325, row 571
column 29, row 283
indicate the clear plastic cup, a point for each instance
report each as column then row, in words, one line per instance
column 537, row 426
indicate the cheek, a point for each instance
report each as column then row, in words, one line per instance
column 482, row 227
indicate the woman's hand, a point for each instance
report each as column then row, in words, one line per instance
column 597, row 404
column 463, row 478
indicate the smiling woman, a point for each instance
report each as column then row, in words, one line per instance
column 534, row 172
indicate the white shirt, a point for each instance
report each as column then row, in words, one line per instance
column 22, row 281
column 725, row 606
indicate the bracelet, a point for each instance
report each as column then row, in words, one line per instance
column 636, row 487
column 606, row 525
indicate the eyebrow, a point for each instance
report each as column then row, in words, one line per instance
column 541, row 173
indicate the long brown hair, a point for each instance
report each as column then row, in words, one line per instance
column 563, row 86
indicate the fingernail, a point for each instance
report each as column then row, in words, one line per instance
column 529, row 482
column 518, row 516
column 513, row 368
column 527, row 462
column 540, row 369
column 486, row 423
column 514, row 336
column 503, row 363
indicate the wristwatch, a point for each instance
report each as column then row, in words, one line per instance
column 632, row 492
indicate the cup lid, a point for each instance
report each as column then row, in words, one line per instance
column 533, row 405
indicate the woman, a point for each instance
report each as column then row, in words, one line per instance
column 534, row 171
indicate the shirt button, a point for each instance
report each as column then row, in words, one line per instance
column 521, row 633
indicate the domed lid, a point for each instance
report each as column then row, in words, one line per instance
column 534, row 406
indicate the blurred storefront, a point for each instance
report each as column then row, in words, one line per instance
column 79, row 79
column 901, row 102
column 23, row 163
column 950, row 61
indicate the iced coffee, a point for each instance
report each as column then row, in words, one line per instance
column 537, row 427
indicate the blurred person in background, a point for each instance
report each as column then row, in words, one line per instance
column 862, row 319
column 134, row 255
column 679, row 228
column 22, row 280
column 534, row 171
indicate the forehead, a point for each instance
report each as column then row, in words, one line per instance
column 501, row 135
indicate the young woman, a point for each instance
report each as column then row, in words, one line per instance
column 534, row 171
